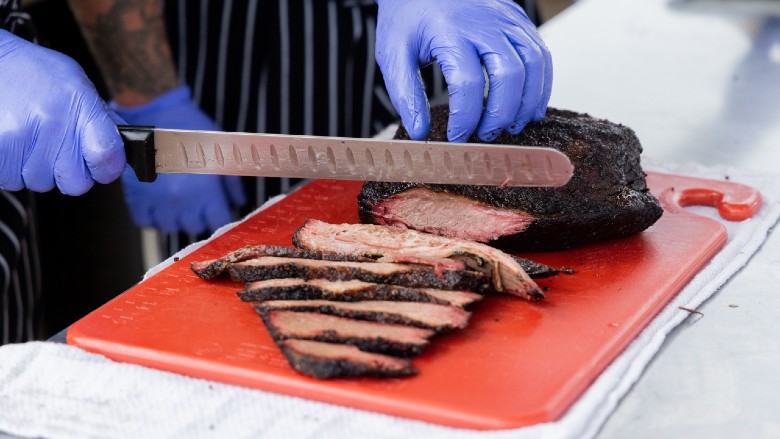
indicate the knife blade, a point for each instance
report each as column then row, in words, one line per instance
column 153, row 150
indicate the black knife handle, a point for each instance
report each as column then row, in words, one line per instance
column 139, row 149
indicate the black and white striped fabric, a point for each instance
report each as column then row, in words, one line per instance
column 16, row 21
column 286, row 66
column 20, row 283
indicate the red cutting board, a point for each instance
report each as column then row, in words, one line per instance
column 516, row 364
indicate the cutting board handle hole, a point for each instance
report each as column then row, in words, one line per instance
column 728, row 210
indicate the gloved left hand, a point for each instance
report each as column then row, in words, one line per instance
column 178, row 202
column 462, row 36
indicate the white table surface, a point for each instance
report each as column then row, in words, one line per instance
column 699, row 81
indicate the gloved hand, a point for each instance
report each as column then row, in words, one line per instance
column 54, row 128
column 462, row 36
column 178, row 202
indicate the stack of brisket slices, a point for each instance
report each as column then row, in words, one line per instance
column 356, row 299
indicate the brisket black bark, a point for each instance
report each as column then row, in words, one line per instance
column 330, row 360
column 415, row 276
column 350, row 291
column 606, row 198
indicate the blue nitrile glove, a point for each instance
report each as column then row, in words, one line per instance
column 462, row 36
column 54, row 128
column 178, row 202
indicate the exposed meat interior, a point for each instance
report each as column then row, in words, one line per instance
column 416, row 276
column 369, row 240
column 330, row 360
column 350, row 291
column 446, row 214
column 424, row 315
column 215, row 267
column 384, row 338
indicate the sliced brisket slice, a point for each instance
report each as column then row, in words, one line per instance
column 350, row 291
column 415, row 276
column 390, row 339
column 369, row 240
column 440, row 318
column 215, row 267
column 330, row 360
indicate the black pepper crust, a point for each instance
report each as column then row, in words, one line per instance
column 606, row 198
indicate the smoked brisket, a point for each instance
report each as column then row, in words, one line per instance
column 350, row 291
column 422, row 315
column 606, row 198
column 414, row 276
column 354, row 299
column 389, row 339
column 397, row 244
column 213, row 268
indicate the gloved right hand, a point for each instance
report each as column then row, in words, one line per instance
column 54, row 127
column 178, row 202
column 463, row 37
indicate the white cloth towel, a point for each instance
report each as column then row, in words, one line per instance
column 58, row 391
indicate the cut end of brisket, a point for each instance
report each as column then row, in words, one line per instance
column 606, row 198
column 414, row 207
column 328, row 360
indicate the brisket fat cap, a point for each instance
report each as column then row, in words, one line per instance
column 606, row 198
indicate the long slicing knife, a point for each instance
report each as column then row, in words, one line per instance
column 151, row 151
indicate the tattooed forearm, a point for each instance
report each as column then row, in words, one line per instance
column 128, row 40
